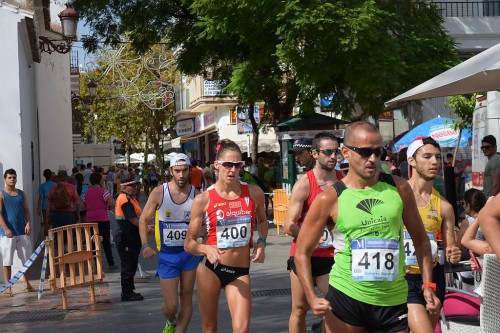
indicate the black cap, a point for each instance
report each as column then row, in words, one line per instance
column 300, row 144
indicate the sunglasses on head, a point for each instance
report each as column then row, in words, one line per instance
column 230, row 165
column 485, row 147
column 367, row 152
column 328, row 152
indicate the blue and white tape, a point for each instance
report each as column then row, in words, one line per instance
column 25, row 267
column 43, row 273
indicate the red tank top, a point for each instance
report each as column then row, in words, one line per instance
column 314, row 190
column 230, row 223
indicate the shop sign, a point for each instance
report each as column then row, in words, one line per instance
column 185, row 127
column 213, row 88
column 243, row 123
column 208, row 119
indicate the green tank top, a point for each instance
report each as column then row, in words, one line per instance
column 368, row 234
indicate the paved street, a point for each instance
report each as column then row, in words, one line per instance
column 271, row 302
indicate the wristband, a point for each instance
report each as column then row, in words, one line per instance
column 262, row 240
column 144, row 246
column 431, row 285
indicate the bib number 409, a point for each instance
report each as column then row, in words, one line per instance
column 176, row 235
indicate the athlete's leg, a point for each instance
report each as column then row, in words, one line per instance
column 186, row 310
column 297, row 322
column 239, row 300
column 169, row 289
column 418, row 319
column 334, row 325
column 208, row 285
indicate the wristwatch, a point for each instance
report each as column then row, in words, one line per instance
column 262, row 240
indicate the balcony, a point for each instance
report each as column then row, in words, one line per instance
column 469, row 8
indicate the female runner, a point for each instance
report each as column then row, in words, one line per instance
column 230, row 209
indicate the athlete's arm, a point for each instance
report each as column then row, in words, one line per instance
column 154, row 201
column 476, row 245
column 453, row 252
column 300, row 191
column 415, row 227
column 258, row 254
column 489, row 220
column 200, row 206
column 322, row 208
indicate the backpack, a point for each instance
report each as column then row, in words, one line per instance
column 61, row 197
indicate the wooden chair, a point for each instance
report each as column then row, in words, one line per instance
column 280, row 206
column 75, row 249
column 489, row 318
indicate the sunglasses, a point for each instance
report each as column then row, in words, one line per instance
column 230, row 165
column 328, row 152
column 367, row 152
column 485, row 147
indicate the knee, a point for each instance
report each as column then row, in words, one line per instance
column 170, row 307
column 299, row 310
column 240, row 327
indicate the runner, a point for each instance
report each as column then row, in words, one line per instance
column 230, row 208
column 424, row 158
column 325, row 149
column 368, row 210
column 176, row 268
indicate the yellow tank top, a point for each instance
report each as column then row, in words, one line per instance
column 431, row 217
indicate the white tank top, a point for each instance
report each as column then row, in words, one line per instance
column 173, row 220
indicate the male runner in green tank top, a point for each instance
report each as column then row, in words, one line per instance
column 368, row 290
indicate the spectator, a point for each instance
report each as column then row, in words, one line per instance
column 97, row 202
column 43, row 196
column 261, row 168
column 208, row 175
column 302, row 150
column 196, row 176
column 15, row 228
column 110, row 180
column 61, row 207
column 250, row 167
column 87, row 173
column 491, row 183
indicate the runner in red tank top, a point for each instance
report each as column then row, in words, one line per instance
column 230, row 208
column 324, row 149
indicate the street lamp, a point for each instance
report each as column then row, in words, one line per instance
column 86, row 101
column 69, row 21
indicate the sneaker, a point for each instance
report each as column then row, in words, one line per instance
column 131, row 297
column 169, row 327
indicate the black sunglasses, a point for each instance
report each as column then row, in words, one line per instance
column 230, row 165
column 367, row 152
column 328, row 152
column 485, row 147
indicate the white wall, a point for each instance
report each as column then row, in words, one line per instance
column 54, row 111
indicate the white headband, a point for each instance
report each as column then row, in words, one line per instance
column 413, row 147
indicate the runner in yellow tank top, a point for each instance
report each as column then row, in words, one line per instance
column 424, row 158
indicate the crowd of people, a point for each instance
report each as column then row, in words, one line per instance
column 373, row 243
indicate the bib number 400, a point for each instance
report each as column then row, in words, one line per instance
column 234, row 232
column 367, row 260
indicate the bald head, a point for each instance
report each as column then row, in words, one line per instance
column 357, row 127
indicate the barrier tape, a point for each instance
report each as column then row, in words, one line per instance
column 43, row 273
column 25, row 267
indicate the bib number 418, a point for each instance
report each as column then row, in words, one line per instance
column 367, row 260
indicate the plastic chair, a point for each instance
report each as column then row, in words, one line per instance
column 489, row 318
column 280, row 207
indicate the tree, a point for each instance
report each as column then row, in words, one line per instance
column 134, row 99
column 463, row 107
column 281, row 52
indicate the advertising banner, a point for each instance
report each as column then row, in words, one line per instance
column 243, row 120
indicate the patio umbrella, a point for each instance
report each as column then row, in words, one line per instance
column 440, row 129
column 477, row 74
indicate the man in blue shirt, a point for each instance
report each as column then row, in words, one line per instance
column 43, row 195
column 15, row 228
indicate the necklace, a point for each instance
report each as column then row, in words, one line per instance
column 328, row 182
column 426, row 201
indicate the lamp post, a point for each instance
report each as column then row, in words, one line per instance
column 69, row 21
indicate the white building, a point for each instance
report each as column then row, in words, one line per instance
column 35, row 99
column 204, row 116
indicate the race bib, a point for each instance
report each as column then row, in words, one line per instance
column 174, row 234
column 410, row 257
column 375, row 259
column 328, row 239
column 233, row 232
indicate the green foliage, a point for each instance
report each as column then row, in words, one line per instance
column 463, row 106
column 281, row 52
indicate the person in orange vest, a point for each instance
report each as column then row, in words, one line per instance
column 128, row 241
